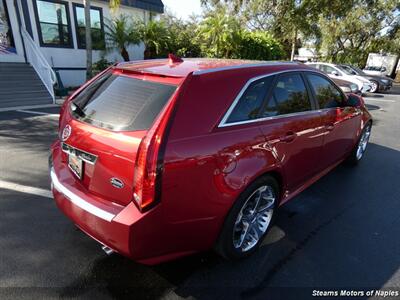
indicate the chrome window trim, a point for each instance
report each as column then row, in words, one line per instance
column 224, row 123
column 270, row 118
column 78, row 201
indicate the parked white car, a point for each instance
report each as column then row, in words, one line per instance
column 337, row 72
column 377, row 71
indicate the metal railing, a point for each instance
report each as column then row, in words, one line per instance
column 39, row 63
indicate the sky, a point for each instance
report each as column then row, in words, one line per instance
column 183, row 8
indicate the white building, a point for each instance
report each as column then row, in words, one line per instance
column 52, row 31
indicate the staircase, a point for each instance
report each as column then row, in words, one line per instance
column 21, row 86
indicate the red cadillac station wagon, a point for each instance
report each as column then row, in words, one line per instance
column 163, row 158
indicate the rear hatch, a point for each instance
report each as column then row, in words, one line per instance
column 108, row 119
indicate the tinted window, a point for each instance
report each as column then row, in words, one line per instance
column 122, row 103
column 249, row 104
column 326, row 93
column 96, row 26
column 288, row 96
column 347, row 70
column 327, row 69
column 358, row 70
column 54, row 23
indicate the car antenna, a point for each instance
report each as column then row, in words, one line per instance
column 173, row 59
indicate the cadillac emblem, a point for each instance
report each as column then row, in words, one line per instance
column 66, row 133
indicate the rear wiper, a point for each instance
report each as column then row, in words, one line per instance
column 77, row 109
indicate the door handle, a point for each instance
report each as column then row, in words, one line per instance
column 289, row 137
column 330, row 126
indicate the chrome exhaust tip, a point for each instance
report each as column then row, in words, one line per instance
column 107, row 250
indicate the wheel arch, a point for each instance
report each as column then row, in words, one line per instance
column 275, row 173
column 278, row 176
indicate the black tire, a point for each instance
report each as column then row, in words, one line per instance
column 225, row 243
column 375, row 87
column 353, row 159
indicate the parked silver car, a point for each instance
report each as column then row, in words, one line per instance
column 378, row 83
column 337, row 72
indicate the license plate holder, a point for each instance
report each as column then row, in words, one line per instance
column 76, row 165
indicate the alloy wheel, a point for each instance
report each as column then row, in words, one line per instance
column 362, row 144
column 254, row 218
column 374, row 87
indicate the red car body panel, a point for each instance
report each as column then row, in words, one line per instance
column 205, row 167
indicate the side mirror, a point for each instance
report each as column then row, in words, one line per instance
column 354, row 100
column 383, row 69
column 335, row 73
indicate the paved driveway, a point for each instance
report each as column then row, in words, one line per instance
column 343, row 232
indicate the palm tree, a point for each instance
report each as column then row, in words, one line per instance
column 155, row 37
column 120, row 33
column 88, row 32
column 220, row 33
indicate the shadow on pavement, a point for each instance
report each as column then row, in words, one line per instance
column 395, row 90
column 370, row 95
column 28, row 132
column 372, row 107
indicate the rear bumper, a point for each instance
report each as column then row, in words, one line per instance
column 106, row 225
column 385, row 87
column 143, row 237
column 85, row 205
column 127, row 232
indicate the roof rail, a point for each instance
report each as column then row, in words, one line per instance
column 261, row 64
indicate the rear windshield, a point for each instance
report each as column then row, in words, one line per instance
column 121, row 103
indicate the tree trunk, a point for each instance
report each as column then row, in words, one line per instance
column 147, row 53
column 125, row 54
column 294, row 42
column 88, row 35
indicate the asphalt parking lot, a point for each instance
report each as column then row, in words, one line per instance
column 342, row 232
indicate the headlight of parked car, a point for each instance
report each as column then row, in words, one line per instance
column 354, row 87
column 385, row 81
column 346, row 89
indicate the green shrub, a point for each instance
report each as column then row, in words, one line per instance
column 259, row 46
column 100, row 65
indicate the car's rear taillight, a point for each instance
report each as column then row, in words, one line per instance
column 147, row 168
column 150, row 157
column 149, row 163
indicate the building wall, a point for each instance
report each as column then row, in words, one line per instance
column 71, row 62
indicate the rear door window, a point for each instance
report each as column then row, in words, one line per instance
column 288, row 96
column 121, row 103
column 248, row 107
column 326, row 93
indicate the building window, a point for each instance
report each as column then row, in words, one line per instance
column 96, row 26
column 53, row 23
